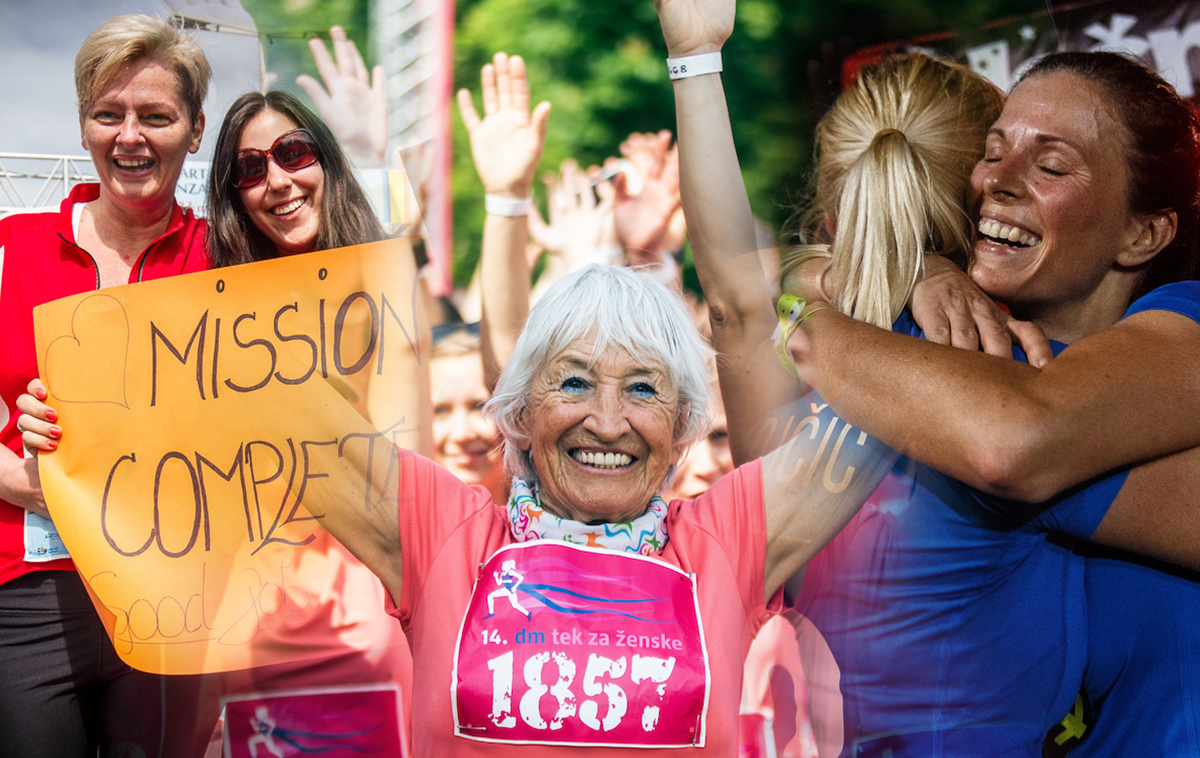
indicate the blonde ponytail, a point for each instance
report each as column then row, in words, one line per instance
column 894, row 160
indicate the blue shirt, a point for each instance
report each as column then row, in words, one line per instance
column 957, row 622
column 1143, row 674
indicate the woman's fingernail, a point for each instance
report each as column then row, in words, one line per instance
column 52, row 415
column 55, row 432
column 39, row 393
column 52, row 444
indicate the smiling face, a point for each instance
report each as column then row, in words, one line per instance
column 286, row 206
column 1052, row 190
column 601, row 433
column 464, row 442
column 139, row 132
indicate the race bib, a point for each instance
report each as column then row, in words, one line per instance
column 568, row 645
column 42, row 542
column 333, row 722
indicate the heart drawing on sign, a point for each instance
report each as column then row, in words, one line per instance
column 88, row 366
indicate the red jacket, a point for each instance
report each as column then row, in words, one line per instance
column 40, row 262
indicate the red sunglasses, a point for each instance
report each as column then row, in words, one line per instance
column 292, row 151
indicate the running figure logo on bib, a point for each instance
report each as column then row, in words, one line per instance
column 568, row 645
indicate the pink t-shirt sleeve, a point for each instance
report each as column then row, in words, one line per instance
column 732, row 514
column 432, row 504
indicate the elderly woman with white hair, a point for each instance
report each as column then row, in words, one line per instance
column 588, row 612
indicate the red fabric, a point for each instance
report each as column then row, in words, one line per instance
column 447, row 529
column 41, row 262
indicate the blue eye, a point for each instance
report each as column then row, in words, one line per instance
column 641, row 389
column 574, row 384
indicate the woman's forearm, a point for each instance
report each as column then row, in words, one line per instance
column 504, row 273
column 1157, row 512
column 724, row 246
column 716, row 206
column 1127, row 394
column 20, row 483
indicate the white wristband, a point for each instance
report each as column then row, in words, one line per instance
column 694, row 65
column 507, row 206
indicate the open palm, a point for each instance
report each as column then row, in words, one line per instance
column 507, row 143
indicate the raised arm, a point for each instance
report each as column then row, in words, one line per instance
column 721, row 229
column 1127, row 394
column 506, row 146
column 814, row 484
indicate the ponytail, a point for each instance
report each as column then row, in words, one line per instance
column 894, row 159
column 882, row 208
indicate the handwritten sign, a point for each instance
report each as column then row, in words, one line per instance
column 199, row 413
column 567, row 645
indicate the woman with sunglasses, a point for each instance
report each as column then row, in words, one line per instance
column 278, row 174
column 278, row 177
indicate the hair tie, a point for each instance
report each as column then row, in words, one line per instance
column 888, row 132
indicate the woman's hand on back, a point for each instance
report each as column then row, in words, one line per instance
column 507, row 143
column 952, row 310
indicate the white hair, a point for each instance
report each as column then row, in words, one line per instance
column 620, row 310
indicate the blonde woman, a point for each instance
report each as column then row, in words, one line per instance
column 893, row 162
column 141, row 85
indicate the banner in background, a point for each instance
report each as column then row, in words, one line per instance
column 1161, row 35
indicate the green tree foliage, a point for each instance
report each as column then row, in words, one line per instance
column 285, row 26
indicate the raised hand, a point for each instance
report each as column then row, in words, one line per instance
column 580, row 230
column 351, row 102
column 643, row 220
column 691, row 27
column 507, row 143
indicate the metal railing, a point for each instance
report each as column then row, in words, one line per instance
column 34, row 181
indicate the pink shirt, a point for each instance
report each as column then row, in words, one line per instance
column 448, row 529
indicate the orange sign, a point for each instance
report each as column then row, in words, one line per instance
column 202, row 414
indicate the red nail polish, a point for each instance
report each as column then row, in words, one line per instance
column 52, row 416
column 52, row 444
column 55, row 432
column 39, row 393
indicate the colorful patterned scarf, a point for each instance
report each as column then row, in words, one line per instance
column 645, row 535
